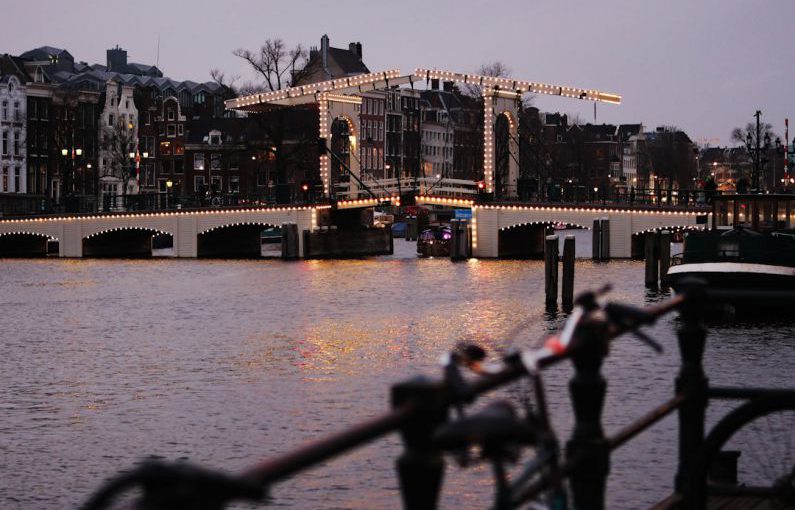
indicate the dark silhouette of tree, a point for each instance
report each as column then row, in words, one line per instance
column 288, row 134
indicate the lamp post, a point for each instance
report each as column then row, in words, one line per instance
column 169, row 185
column 69, row 180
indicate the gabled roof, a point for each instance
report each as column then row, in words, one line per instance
column 625, row 131
column 348, row 61
column 45, row 52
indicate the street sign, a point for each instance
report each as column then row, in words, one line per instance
column 463, row 214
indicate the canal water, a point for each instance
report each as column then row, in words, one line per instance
column 104, row 363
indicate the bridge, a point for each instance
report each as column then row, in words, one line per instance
column 508, row 230
column 496, row 230
column 231, row 232
column 340, row 100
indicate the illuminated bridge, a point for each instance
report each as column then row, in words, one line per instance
column 202, row 233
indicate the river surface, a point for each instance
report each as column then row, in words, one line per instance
column 224, row 363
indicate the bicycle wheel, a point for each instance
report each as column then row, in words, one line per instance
column 749, row 457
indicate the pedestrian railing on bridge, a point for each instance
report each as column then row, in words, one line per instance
column 434, row 421
column 421, row 185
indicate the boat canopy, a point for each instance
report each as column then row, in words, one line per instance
column 763, row 213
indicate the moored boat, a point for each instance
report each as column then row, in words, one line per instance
column 750, row 245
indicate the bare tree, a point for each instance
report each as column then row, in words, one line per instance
column 276, row 67
column 117, row 143
column 747, row 136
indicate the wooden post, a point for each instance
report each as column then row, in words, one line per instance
column 567, row 292
column 665, row 254
column 289, row 241
column 551, row 270
column 458, row 241
column 604, row 236
column 650, row 253
column 597, row 239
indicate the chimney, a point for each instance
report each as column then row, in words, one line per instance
column 312, row 52
column 359, row 51
column 435, row 84
column 116, row 59
column 324, row 50
column 448, row 86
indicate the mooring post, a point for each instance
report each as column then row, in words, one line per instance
column 458, row 239
column 665, row 254
column 420, row 466
column 587, row 445
column 604, row 239
column 551, row 270
column 289, row 241
column 411, row 228
column 650, row 254
column 596, row 245
column 567, row 290
column 691, row 382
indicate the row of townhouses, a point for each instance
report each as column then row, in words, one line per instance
column 73, row 130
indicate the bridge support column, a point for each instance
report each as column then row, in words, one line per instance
column 185, row 238
column 485, row 232
column 71, row 244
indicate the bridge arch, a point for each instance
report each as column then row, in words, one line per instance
column 237, row 239
column 121, row 241
column 526, row 239
column 21, row 243
column 639, row 237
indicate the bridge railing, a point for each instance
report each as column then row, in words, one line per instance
column 422, row 185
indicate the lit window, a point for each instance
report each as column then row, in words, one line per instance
column 198, row 161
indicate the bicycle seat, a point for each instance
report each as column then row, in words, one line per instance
column 493, row 429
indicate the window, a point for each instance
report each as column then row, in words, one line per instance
column 110, row 120
column 198, row 161
column 198, row 182
column 234, row 184
column 170, row 114
column 180, row 129
column 148, row 118
column 5, row 110
column 171, row 130
column 17, row 113
column 16, row 143
column 178, row 165
column 17, row 181
column 215, row 161
column 5, row 143
column 4, row 187
column 216, row 183
column 215, row 138
column 234, row 161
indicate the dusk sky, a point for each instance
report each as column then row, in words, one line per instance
column 705, row 66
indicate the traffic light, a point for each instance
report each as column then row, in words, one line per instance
column 481, row 186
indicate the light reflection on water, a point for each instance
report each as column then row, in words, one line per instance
column 227, row 362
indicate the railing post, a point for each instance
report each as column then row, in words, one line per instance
column 420, row 466
column 691, row 381
column 587, row 445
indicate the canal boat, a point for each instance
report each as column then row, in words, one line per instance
column 750, row 245
column 434, row 242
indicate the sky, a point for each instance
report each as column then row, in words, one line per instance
column 704, row 66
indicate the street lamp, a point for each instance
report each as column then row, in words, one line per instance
column 169, row 185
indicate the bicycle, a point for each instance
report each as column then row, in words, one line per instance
column 497, row 430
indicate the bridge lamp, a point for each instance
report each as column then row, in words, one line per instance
column 145, row 154
column 64, row 152
column 132, row 155
column 169, row 184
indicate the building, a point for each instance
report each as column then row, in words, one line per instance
column 328, row 63
column 118, row 142
column 372, row 118
column 13, row 131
